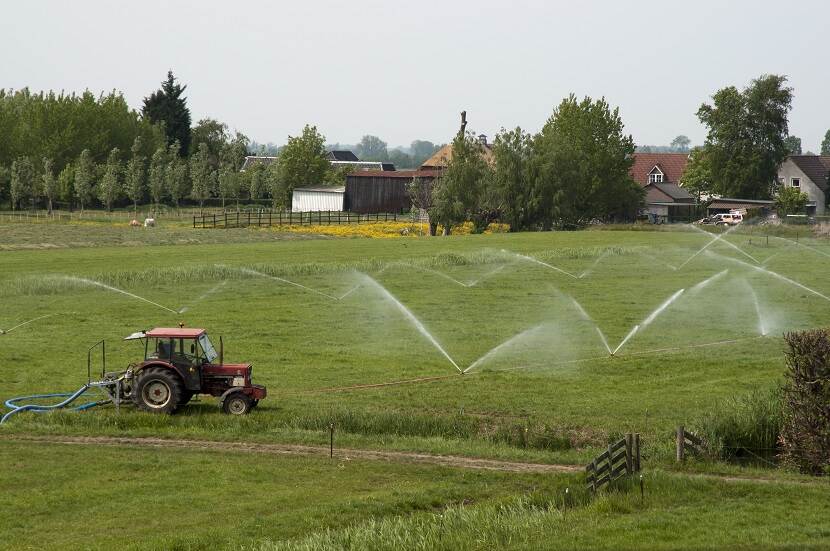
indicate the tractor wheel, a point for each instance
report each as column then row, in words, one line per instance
column 237, row 403
column 254, row 403
column 158, row 390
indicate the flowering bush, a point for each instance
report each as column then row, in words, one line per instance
column 384, row 229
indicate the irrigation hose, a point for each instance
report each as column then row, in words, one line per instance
column 69, row 397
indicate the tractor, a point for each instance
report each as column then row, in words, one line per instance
column 182, row 362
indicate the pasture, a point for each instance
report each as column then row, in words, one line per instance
column 533, row 347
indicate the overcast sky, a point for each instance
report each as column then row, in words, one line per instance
column 404, row 70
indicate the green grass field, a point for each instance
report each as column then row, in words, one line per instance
column 529, row 314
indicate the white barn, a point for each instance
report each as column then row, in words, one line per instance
column 313, row 199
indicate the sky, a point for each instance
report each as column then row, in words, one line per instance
column 404, row 70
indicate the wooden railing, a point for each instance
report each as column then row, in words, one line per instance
column 268, row 218
column 620, row 459
column 687, row 442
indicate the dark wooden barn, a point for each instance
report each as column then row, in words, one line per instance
column 371, row 191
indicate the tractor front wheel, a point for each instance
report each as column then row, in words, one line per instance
column 158, row 390
column 237, row 403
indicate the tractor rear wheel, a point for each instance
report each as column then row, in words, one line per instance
column 237, row 403
column 158, row 390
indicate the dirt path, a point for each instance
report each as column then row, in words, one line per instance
column 346, row 454
column 294, row 449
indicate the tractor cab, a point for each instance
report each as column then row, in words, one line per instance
column 182, row 362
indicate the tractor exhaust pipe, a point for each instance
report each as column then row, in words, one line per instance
column 221, row 352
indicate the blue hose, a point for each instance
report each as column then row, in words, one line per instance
column 38, row 408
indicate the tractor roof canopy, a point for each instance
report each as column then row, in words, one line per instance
column 171, row 333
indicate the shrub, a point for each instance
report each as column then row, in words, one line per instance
column 805, row 437
column 743, row 426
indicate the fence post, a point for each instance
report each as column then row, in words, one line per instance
column 214, row 220
column 629, row 462
column 331, row 440
column 194, row 221
column 637, row 452
column 681, row 449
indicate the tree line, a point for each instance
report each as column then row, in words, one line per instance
column 575, row 170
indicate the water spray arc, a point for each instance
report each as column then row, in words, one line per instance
column 203, row 296
column 410, row 316
column 778, row 276
column 721, row 238
column 584, row 315
column 537, row 261
column 27, row 322
column 762, row 326
column 283, row 280
column 649, row 319
column 86, row 281
column 498, row 348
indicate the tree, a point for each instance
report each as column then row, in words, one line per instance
column 83, row 178
column 135, row 175
column 228, row 185
column 421, row 151
column 302, row 162
column 746, row 139
column 212, row 133
column 22, row 181
column 156, row 176
column 419, row 191
column 371, row 148
column 233, row 152
column 459, row 194
column 200, row 174
column 697, row 176
column 793, row 144
column 825, row 144
column 167, row 105
column 790, row 200
column 681, row 143
column 49, row 183
column 274, row 185
column 256, row 181
column 110, row 188
column 512, row 151
column 401, row 159
column 176, row 175
column 66, row 184
column 5, row 180
column 582, row 163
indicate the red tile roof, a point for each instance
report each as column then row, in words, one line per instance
column 671, row 165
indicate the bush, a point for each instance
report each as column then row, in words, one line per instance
column 744, row 426
column 805, row 436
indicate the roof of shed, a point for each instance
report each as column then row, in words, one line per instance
column 252, row 160
column 322, row 189
column 341, row 156
column 407, row 174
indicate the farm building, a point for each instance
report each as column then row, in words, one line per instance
column 371, row 191
column 252, row 160
column 728, row 204
column 443, row 156
column 314, row 199
column 809, row 174
column 660, row 176
column 341, row 156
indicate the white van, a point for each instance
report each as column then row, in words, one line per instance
column 731, row 219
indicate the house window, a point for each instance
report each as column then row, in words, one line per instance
column 795, row 182
column 655, row 178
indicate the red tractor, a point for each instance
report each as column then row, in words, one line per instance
column 180, row 363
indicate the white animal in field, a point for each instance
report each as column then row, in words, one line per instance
column 149, row 222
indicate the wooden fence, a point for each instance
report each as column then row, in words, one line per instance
column 621, row 458
column 687, row 442
column 268, row 218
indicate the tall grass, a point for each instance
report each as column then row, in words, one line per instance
column 744, row 427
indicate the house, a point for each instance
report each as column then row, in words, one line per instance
column 341, row 156
column 442, row 157
column 314, row 199
column 809, row 173
column 372, row 191
column 252, row 160
column 660, row 175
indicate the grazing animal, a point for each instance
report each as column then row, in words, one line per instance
column 149, row 222
column 134, row 223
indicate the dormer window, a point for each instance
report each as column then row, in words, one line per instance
column 655, row 176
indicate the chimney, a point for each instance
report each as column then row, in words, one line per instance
column 482, row 139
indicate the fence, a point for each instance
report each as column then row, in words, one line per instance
column 621, row 458
column 279, row 218
column 687, row 442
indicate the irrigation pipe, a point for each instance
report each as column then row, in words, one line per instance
column 16, row 407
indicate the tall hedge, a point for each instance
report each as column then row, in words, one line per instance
column 805, row 437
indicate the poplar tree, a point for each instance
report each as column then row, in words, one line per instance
column 135, row 176
column 158, row 164
column 49, row 182
column 83, row 178
column 109, row 189
column 200, row 174
column 176, row 174
column 22, row 181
